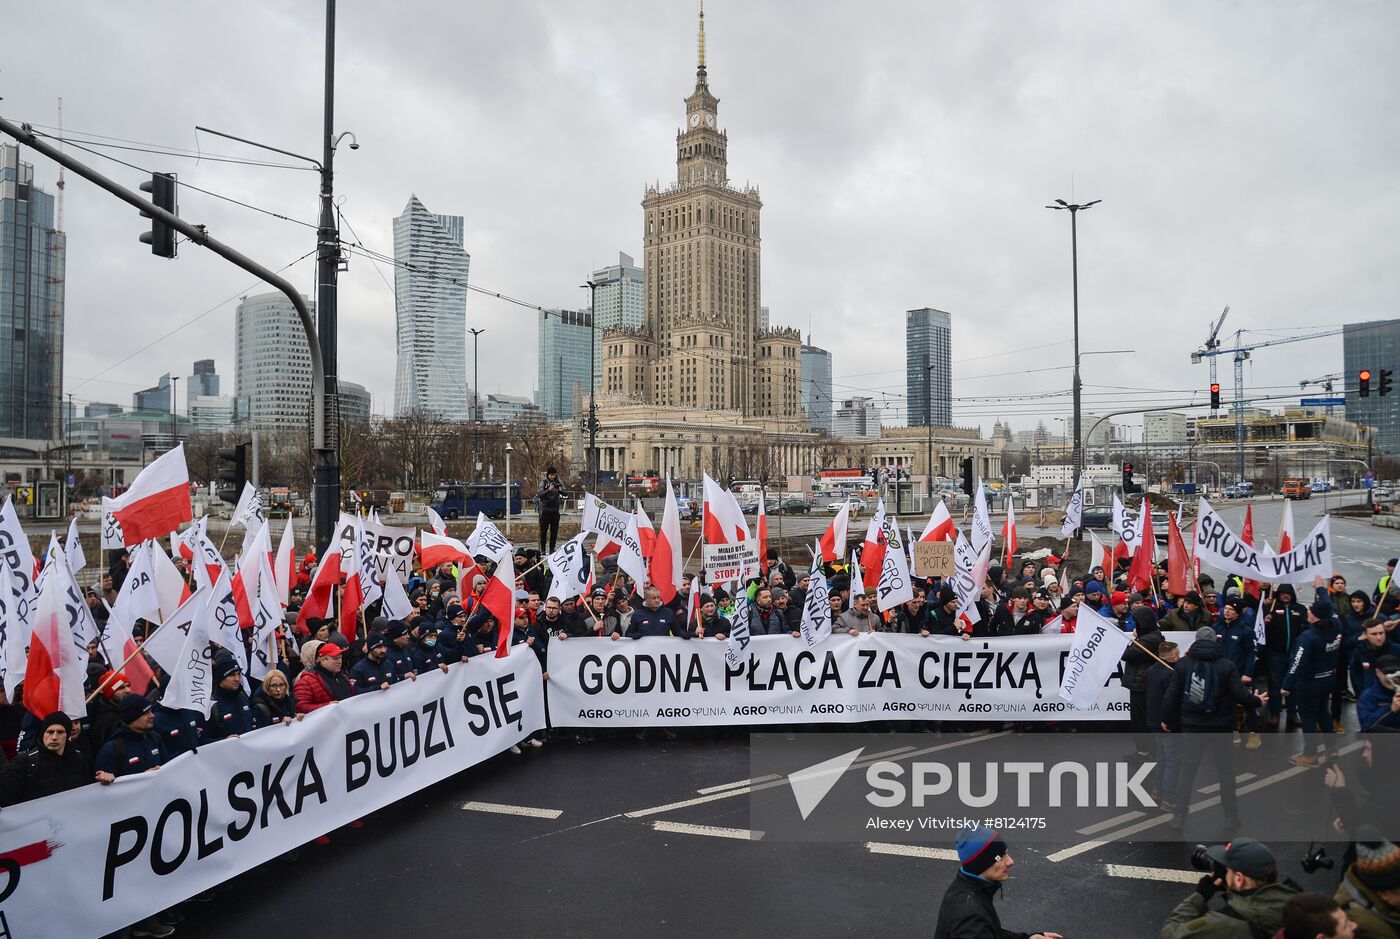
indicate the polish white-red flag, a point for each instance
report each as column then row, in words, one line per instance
column 157, row 503
column 1286, row 538
column 436, row 522
column 940, row 524
column 646, row 532
column 1101, row 555
column 833, row 540
column 73, row 549
column 362, row 586
column 323, row 583
column 438, row 548
column 857, row 580
column 53, row 676
column 692, row 603
column 139, row 598
column 723, row 521
column 872, row 554
column 665, row 570
column 499, row 600
column 762, row 533
column 1008, row 534
column 284, row 565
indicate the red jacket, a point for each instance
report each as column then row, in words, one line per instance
column 314, row 689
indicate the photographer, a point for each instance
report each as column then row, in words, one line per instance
column 1253, row 899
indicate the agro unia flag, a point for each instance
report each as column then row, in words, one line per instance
column 736, row 648
column 569, row 568
column 1098, row 647
column 1074, row 512
column 816, row 608
column 981, row 520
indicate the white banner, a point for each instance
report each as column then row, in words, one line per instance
column 878, row 676
column 1094, row 656
column 393, row 547
column 570, row 568
column 1218, row 546
column 119, row 853
column 1074, row 512
column 111, row 529
column 729, row 562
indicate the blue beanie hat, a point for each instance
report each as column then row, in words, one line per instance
column 1094, row 586
column 979, row 847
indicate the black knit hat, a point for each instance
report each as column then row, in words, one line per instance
column 57, row 719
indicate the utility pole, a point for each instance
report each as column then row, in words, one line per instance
column 592, row 376
column 928, row 419
column 1074, row 210
column 326, row 498
column 174, row 406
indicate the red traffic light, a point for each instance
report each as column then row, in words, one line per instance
column 1127, row 467
column 1215, row 388
column 1365, row 374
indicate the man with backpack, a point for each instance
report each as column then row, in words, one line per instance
column 1200, row 704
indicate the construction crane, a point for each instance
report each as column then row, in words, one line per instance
column 1213, row 342
column 61, row 183
column 1241, row 354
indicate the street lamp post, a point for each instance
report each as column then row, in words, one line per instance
column 592, row 287
column 509, row 451
column 928, row 419
column 476, row 410
column 174, row 406
column 1074, row 210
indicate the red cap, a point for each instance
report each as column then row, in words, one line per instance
column 1117, row 598
column 329, row 648
column 111, row 681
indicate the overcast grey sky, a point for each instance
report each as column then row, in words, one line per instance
column 1246, row 153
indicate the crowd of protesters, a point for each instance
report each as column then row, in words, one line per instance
column 1185, row 704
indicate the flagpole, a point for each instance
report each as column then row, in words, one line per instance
column 1149, row 652
column 113, row 672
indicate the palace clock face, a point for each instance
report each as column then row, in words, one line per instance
column 695, row 119
column 709, row 120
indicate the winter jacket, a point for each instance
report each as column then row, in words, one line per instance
column 182, row 730
column 1231, row 690
column 230, row 714
column 967, row 911
column 369, row 675
column 1178, row 621
column 1030, row 623
column 1374, row 918
column 1155, row 681
column 103, row 720
column 1237, row 643
column 1136, row 661
column 1257, row 913
column 907, row 622
column 1363, row 660
column 1373, row 708
column 268, row 710
column 41, row 772
column 767, row 622
column 1283, row 626
column 714, row 626
column 658, row 622
column 128, row 753
column 1316, row 654
column 317, row 688
column 867, row 623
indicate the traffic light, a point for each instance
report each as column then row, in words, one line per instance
column 161, row 237
column 1384, row 389
column 235, row 474
column 1363, row 383
column 1128, row 485
column 968, row 481
column 1215, row 396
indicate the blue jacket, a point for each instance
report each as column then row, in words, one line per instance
column 1372, row 705
column 1237, row 642
column 1363, row 659
column 128, row 753
column 1315, row 658
column 368, row 675
column 230, row 713
column 401, row 661
column 658, row 622
column 180, row 730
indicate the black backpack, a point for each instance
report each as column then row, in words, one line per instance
column 1200, row 692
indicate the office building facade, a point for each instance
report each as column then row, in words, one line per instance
column 619, row 300
column 272, row 364
column 928, row 367
column 1374, row 346
column 565, row 339
column 203, row 381
column 32, row 270
column 156, row 398
column 856, row 419
column 816, row 387
column 430, row 299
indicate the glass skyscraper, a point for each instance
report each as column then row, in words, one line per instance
column 816, row 387
column 565, row 337
column 31, row 305
column 430, row 296
column 618, row 300
column 928, row 367
column 1373, row 346
column 271, row 362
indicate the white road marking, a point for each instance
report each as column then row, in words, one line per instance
column 911, row 850
column 903, row 753
column 1215, row 787
column 1097, row 827
column 709, row 790
column 1152, row 873
column 525, row 810
column 682, row 828
column 1078, row 849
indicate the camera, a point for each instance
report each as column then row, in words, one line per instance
column 1202, row 862
column 1316, row 859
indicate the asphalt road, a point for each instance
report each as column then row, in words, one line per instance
column 645, row 838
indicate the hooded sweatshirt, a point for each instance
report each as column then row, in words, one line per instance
column 1316, row 656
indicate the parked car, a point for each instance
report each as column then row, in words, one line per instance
column 1239, row 491
column 1100, row 519
column 1159, row 526
column 1380, row 494
column 857, row 506
column 795, row 504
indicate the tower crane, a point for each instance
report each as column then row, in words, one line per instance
column 1241, row 353
column 1214, row 343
